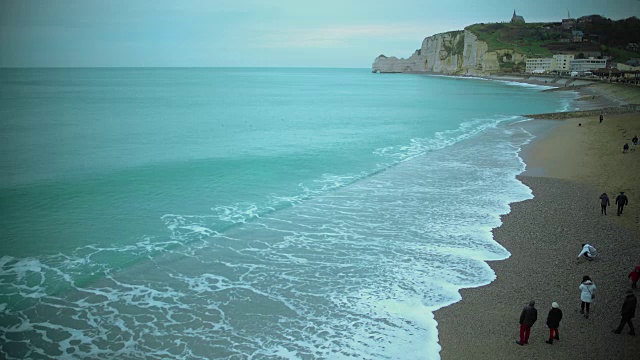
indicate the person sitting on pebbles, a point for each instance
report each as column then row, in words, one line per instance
column 588, row 251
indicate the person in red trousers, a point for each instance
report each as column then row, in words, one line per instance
column 528, row 317
column 634, row 276
column 553, row 322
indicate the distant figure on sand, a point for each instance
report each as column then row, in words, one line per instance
column 528, row 317
column 604, row 202
column 634, row 276
column 588, row 251
column 601, row 118
column 621, row 201
column 587, row 295
column 628, row 312
column 634, row 141
column 553, row 322
column 625, row 148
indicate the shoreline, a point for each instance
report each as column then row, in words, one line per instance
column 592, row 95
column 544, row 235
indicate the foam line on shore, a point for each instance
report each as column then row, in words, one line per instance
column 544, row 236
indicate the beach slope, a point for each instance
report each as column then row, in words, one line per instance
column 567, row 169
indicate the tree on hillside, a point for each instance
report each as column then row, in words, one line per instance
column 615, row 33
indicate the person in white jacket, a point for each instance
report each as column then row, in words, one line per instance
column 588, row 251
column 587, row 294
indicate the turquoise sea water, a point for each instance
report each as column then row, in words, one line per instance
column 238, row 213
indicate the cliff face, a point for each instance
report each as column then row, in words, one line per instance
column 456, row 52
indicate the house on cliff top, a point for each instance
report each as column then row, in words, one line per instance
column 517, row 19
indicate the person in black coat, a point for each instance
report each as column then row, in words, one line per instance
column 604, row 202
column 621, row 201
column 628, row 312
column 553, row 322
column 528, row 317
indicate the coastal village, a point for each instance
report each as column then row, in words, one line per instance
column 588, row 64
column 589, row 47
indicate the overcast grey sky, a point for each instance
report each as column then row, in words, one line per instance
column 301, row 33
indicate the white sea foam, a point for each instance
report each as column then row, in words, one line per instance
column 333, row 278
column 442, row 139
column 354, row 271
column 526, row 85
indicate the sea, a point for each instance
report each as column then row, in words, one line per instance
column 249, row 213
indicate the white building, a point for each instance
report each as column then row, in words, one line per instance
column 562, row 62
column 559, row 62
column 539, row 65
column 582, row 65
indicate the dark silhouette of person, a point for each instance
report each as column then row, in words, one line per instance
column 528, row 317
column 625, row 148
column 634, row 141
column 601, row 118
column 604, row 202
column 621, row 201
column 628, row 312
column 553, row 322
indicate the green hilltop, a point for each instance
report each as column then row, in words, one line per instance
column 617, row 39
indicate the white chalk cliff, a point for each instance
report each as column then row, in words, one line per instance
column 455, row 52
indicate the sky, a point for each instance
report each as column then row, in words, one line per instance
column 251, row 33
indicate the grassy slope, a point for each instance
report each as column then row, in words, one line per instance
column 523, row 38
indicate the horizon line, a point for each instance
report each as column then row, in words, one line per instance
column 179, row 67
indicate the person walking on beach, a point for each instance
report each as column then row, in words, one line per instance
column 604, row 202
column 634, row 276
column 621, row 201
column 553, row 322
column 625, row 148
column 528, row 317
column 634, row 141
column 587, row 295
column 628, row 312
column 588, row 251
column 601, row 118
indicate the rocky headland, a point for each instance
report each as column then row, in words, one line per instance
column 455, row 52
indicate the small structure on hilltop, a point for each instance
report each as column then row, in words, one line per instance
column 516, row 19
column 569, row 22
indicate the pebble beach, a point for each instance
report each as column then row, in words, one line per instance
column 569, row 164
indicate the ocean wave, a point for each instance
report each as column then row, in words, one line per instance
column 442, row 139
column 224, row 217
column 356, row 272
column 523, row 84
